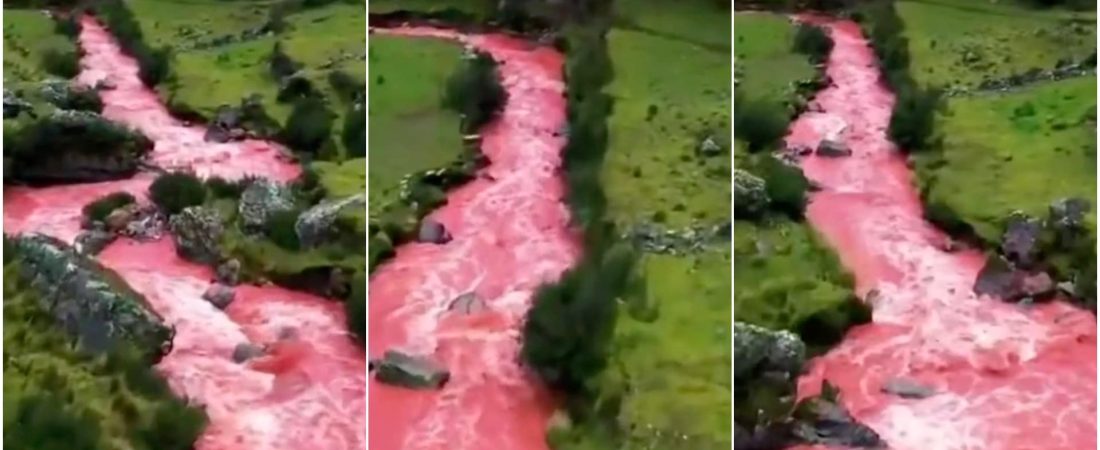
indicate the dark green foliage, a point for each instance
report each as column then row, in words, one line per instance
column 294, row 88
column 62, row 63
column 279, row 63
column 67, row 25
column 154, row 64
column 355, row 308
column 826, row 328
column 347, row 87
column 588, row 70
column 101, row 207
column 174, row 191
column 280, row 229
column 786, row 186
column 221, row 188
column 759, row 123
column 571, row 323
column 62, row 145
column 43, row 422
column 474, row 91
column 813, row 41
column 172, row 427
column 354, row 133
column 912, row 123
column 308, row 127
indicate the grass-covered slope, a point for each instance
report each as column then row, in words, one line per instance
column 411, row 131
column 30, row 36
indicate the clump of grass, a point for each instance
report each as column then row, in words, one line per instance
column 99, row 209
column 174, row 191
column 474, row 91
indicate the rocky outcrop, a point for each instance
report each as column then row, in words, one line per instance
column 823, row 420
column 90, row 302
column 653, row 238
column 316, row 225
column 15, row 106
column 758, row 349
column 262, row 200
column 1000, row 279
column 219, row 295
column 74, row 147
column 1020, row 242
column 229, row 272
column 468, row 303
column 750, row 195
column 197, row 231
column 414, row 372
column 92, row 242
column 1067, row 218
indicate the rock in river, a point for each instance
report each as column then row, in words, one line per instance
column 89, row 301
column 261, row 200
column 197, row 231
column 468, row 303
column 433, row 232
column 906, row 388
column 414, row 372
column 219, row 295
column 831, row 148
column 246, row 351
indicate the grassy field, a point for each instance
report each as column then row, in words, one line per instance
column 410, row 129
column 1017, row 151
column 322, row 39
column 478, row 8
column 28, row 36
column 670, row 353
column 954, row 42
column 785, row 272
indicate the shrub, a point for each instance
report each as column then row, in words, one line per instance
column 99, row 209
column 153, row 64
column 62, row 63
column 813, row 41
column 43, row 422
column 355, row 308
column 221, row 188
column 173, row 192
column 786, row 186
column 308, row 127
column 347, row 87
column 474, row 91
column 280, row 229
column 759, row 123
column 279, row 63
column 354, row 133
column 913, row 120
column 173, row 426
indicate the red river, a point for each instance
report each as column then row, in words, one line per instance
column 309, row 393
column 1007, row 378
column 511, row 233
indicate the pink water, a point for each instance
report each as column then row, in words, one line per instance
column 511, row 233
column 309, row 393
column 1008, row 378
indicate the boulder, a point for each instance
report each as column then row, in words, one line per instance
column 710, row 147
column 468, row 303
column 414, row 372
column 260, row 201
column 90, row 302
column 1037, row 285
column 750, row 195
column 996, row 279
column 433, row 232
column 118, row 219
column 1067, row 217
column 14, row 106
column 92, row 242
column 760, row 349
column 226, row 118
column 315, row 226
column 147, row 224
column 824, row 421
column 1067, row 288
column 1020, row 242
column 197, row 231
column 219, row 295
column 229, row 272
column 906, row 388
column 833, row 148
column 246, row 351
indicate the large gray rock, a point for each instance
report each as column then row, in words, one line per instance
column 316, row 225
column 219, row 295
column 414, row 372
column 760, row 349
column 229, row 272
column 92, row 242
column 906, row 388
column 1020, row 243
column 246, row 351
column 468, row 303
column 831, row 148
column 197, row 231
column 432, row 232
column 825, row 421
column 750, row 195
column 90, row 302
column 261, row 200
column 1067, row 218
column 14, row 106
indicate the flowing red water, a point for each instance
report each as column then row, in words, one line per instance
column 1008, row 378
column 511, row 233
column 308, row 393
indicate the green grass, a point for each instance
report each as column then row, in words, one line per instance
column 766, row 66
column 997, row 158
column 699, row 22
column 176, row 22
column 28, row 35
column 478, row 8
column 410, row 130
column 1001, row 38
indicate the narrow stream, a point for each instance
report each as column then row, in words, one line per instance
column 511, row 233
column 1007, row 378
column 309, row 392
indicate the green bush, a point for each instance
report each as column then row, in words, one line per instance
column 913, row 120
column 173, row 192
column 308, row 127
column 103, row 206
column 813, row 41
column 759, row 123
column 354, row 133
column 279, row 63
column 221, row 188
column 786, row 186
column 355, row 308
column 43, row 422
column 280, row 229
column 347, row 87
column 474, row 91
column 62, row 63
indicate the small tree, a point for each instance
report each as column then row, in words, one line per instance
column 309, row 125
column 475, row 92
column 759, row 123
column 99, row 209
column 813, row 41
